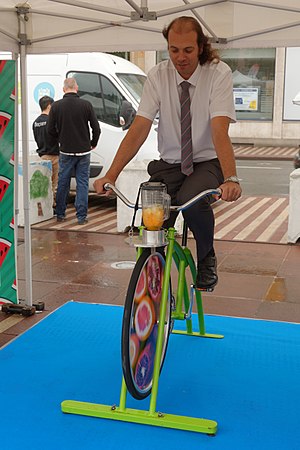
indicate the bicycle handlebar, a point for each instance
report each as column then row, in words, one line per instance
column 192, row 201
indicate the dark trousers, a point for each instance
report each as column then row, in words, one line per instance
column 199, row 217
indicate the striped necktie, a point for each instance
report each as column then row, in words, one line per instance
column 186, row 130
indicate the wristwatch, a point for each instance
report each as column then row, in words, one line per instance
column 233, row 178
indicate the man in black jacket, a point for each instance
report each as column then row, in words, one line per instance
column 69, row 121
column 48, row 148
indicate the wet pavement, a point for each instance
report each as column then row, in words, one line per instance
column 257, row 280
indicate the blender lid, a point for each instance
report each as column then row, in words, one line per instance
column 153, row 185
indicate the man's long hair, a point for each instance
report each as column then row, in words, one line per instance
column 186, row 23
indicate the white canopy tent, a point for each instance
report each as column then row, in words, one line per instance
column 55, row 26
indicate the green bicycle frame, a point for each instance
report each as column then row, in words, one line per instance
column 183, row 259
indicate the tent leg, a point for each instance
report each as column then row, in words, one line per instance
column 25, row 163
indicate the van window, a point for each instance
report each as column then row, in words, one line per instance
column 102, row 94
column 134, row 83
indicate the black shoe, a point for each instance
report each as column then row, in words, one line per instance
column 207, row 277
column 82, row 222
column 60, row 219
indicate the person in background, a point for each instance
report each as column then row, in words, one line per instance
column 48, row 148
column 297, row 160
column 210, row 161
column 70, row 120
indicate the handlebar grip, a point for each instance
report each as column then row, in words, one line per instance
column 112, row 187
column 108, row 186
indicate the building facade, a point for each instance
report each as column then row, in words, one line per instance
column 265, row 82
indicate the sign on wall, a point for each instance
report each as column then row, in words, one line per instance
column 8, row 287
column 246, row 99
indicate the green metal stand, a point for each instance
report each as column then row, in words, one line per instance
column 138, row 416
column 182, row 258
column 197, row 334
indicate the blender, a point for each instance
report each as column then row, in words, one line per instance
column 155, row 210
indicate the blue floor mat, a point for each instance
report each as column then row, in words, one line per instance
column 248, row 382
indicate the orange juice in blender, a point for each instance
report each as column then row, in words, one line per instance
column 155, row 205
column 153, row 217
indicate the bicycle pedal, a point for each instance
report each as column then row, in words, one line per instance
column 208, row 289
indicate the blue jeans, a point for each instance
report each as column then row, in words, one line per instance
column 80, row 165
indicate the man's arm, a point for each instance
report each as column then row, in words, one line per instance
column 35, row 135
column 51, row 124
column 95, row 128
column 129, row 147
column 219, row 126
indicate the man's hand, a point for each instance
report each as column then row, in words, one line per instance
column 230, row 191
column 99, row 186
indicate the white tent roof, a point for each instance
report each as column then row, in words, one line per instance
column 53, row 26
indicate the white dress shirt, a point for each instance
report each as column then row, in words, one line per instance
column 211, row 96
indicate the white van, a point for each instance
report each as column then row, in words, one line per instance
column 112, row 85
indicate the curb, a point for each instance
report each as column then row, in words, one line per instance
column 265, row 158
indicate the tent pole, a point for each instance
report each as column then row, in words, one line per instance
column 16, row 167
column 25, row 164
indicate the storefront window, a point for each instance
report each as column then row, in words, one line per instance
column 253, row 73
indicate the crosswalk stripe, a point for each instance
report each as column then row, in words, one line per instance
column 10, row 322
column 270, row 230
column 292, row 151
column 109, row 213
column 249, row 229
column 257, row 151
column 72, row 221
column 251, row 219
column 107, row 224
column 246, row 151
column 231, row 210
column 284, row 239
column 88, row 227
column 281, row 151
column 241, row 148
column 263, row 151
column 240, row 218
column 218, row 206
column 272, row 152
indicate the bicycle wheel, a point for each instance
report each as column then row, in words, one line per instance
column 140, row 323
